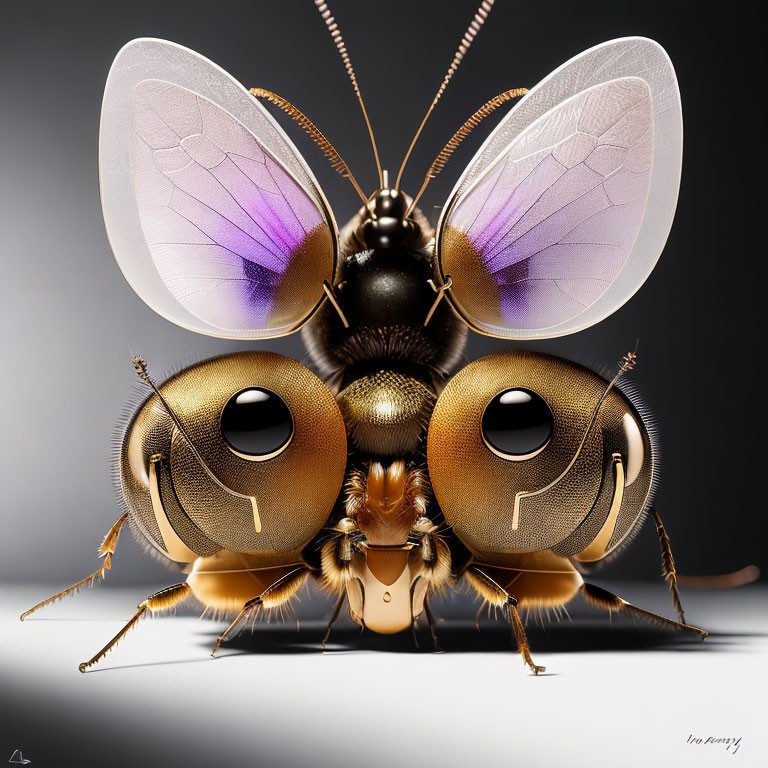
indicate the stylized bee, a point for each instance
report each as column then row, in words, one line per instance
column 392, row 474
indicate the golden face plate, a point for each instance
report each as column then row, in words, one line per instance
column 294, row 491
column 555, row 498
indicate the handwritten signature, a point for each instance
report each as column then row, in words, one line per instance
column 729, row 743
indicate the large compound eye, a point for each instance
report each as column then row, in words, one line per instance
column 258, row 464
column 503, row 430
column 256, row 423
column 517, row 424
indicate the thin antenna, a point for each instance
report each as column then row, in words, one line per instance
column 440, row 161
column 446, row 286
column 466, row 41
column 331, row 294
column 627, row 363
column 313, row 132
column 141, row 370
column 333, row 28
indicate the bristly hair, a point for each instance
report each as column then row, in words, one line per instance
column 542, row 613
column 355, row 492
column 439, row 572
column 395, row 343
column 334, row 576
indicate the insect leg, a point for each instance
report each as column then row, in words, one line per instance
column 602, row 598
column 668, row 563
column 276, row 594
column 160, row 601
column 492, row 592
column 413, row 618
column 431, row 621
column 106, row 551
column 334, row 616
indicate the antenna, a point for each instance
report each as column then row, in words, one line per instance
column 466, row 41
column 141, row 370
column 627, row 363
column 333, row 28
column 445, row 153
column 314, row 133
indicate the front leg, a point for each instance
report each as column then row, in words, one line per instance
column 106, row 551
column 387, row 584
column 161, row 601
column 431, row 622
column 436, row 561
column 335, row 615
column 485, row 586
column 276, row 594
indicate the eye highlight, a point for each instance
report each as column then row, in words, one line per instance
column 517, row 424
column 256, row 424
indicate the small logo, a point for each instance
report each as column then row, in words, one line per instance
column 17, row 758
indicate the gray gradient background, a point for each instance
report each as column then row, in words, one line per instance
column 71, row 322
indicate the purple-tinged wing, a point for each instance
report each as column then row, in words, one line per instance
column 553, row 221
column 548, row 236
column 225, row 223
column 227, row 233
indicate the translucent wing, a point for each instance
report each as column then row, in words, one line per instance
column 212, row 214
column 564, row 211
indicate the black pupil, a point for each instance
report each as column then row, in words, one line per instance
column 256, row 422
column 517, row 422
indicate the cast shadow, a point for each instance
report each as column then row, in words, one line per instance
column 579, row 636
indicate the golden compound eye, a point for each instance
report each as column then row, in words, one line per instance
column 517, row 424
column 500, row 406
column 257, row 424
column 266, row 428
